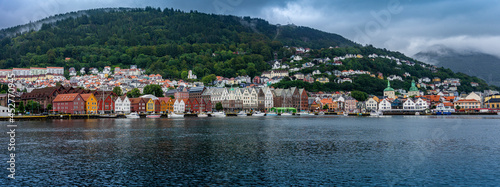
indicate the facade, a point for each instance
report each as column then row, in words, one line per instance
column 409, row 105
column 106, row 104
column 69, row 104
column 467, row 104
column 122, row 105
column 371, row 105
column 150, row 105
column 90, row 103
column 384, row 105
column 275, row 73
column 179, row 106
column 350, row 104
column 137, row 105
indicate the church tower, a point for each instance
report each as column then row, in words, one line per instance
column 389, row 92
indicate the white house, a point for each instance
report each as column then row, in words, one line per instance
column 122, row 104
column 409, row 105
column 179, row 106
column 420, row 104
column 384, row 105
column 371, row 105
column 268, row 98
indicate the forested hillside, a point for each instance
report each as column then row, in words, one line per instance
column 161, row 41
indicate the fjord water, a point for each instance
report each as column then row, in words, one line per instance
column 270, row 151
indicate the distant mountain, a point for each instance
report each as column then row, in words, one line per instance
column 470, row 62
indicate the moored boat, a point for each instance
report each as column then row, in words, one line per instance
column 271, row 114
column 286, row 114
column 202, row 115
column 242, row 114
column 303, row 113
column 174, row 115
column 133, row 115
column 258, row 114
column 219, row 114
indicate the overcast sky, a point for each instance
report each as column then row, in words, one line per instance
column 408, row 26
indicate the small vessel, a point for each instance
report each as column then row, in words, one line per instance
column 258, row 114
column 242, row 114
column 133, row 115
column 271, row 114
column 219, row 114
column 286, row 114
column 174, row 115
column 321, row 113
column 417, row 113
column 303, row 113
column 312, row 114
column 346, row 114
column 153, row 116
column 376, row 113
column 202, row 115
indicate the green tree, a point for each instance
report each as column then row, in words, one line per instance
column 209, row 79
column 134, row 93
column 118, row 91
column 218, row 106
column 153, row 89
column 21, row 107
column 184, row 75
column 457, row 107
column 359, row 95
column 49, row 107
column 325, row 107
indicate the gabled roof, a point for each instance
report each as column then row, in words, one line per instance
column 66, row 97
column 86, row 96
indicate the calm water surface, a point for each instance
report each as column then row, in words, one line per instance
column 272, row 151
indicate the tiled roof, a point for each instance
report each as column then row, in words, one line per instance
column 65, row 97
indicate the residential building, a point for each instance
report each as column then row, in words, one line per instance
column 371, row 105
column 90, row 103
column 69, row 104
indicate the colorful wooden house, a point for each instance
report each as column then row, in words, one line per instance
column 69, row 104
column 90, row 103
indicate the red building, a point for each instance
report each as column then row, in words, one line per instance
column 205, row 105
column 157, row 106
column 69, row 104
column 182, row 94
column 195, row 105
column 106, row 104
column 138, row 105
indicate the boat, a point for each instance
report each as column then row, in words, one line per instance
column 242, row 114
column 258, row 114
column 303, row 113
column 153, row 116
column 271, row 114
column 417, row 113
column 219, row 114
column 108, row 116
column 321, row 113
column 312, row 114
column 202, row 115
column 286, row 114
column 376, row 113
column 174, row 115
column 133, row 115
column 346, row 114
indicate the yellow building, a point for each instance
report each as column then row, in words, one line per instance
column 150, row 105
column 170, row 105
column 90, row 103
column 163, row 103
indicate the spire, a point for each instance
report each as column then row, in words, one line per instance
column 388, row 87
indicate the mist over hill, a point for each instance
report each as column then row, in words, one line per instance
column 473, row 63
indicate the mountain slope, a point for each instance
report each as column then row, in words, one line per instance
column 472, row 63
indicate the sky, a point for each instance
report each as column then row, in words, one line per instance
column 408, row 26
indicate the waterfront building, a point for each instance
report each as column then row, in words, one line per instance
column 105, row 103
column 137, row 105
column 90, row 103
column 409, row 105
column 384, row 105
column 179, row 106
column 371, row 105
column 122, row 104
column 69, row 104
